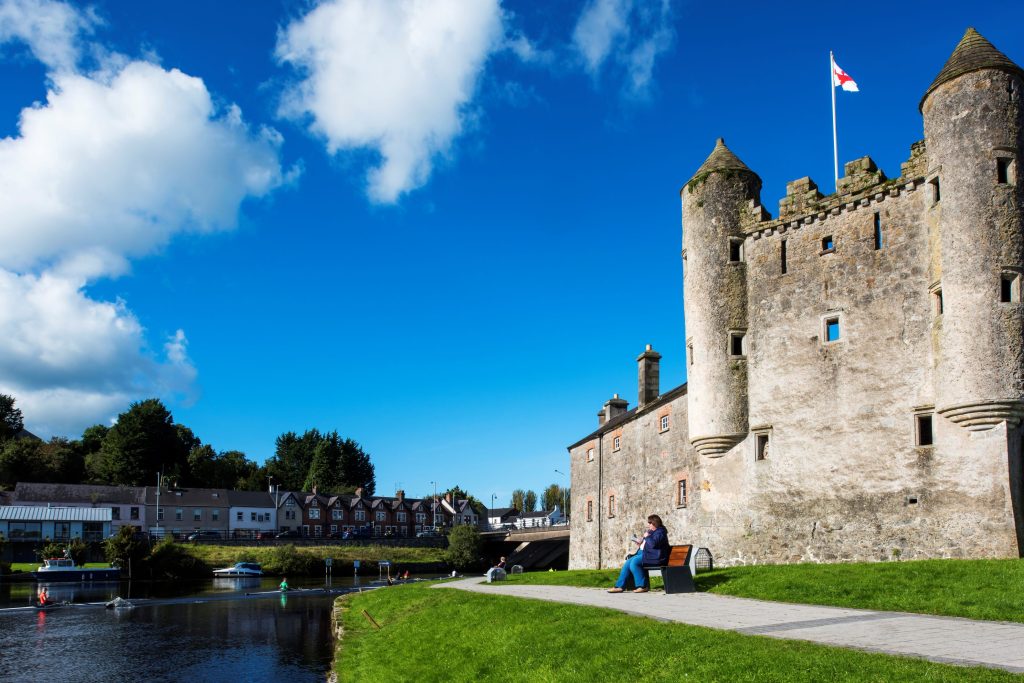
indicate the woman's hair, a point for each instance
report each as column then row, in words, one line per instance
column 655, row 520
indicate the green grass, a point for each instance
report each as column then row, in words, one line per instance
column 32, row 566
column 975, row 589
column 226, row 555
column 430, row 634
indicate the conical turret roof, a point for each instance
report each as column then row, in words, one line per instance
column 973, row 53
column 721, row 159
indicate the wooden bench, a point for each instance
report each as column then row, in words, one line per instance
column 676, row 571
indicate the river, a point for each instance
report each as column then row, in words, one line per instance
column 206, row 631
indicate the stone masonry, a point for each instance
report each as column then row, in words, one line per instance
column 855, row 365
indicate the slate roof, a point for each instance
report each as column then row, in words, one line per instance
column 502, row 513
column 78, row 493
column 628, row 416
column 188, row 497
column 539, row 513
column 250, row 499
column 37, row 513
column 972, row 53
column 721, row 159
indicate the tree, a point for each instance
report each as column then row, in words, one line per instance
column 127, row 549
column 18, row 461
column 529, row 502
column 463, row 547
column 458, row 493
column 143, row 442
column 325, row 469
column 356, row 469
column 61, row 461
column 11, row 420
column 551, row 497
column 292, row 457
column 517, row 499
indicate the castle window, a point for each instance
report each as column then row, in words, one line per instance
column 937, row 300
column 737, row 347
column 1009, row 287
column 832, row 330
column 617, row 443
column 878, row 231
column 590, row 455
column 936, row 195
column 590, row 511
column 689, row 354
column 783, row 255
column 664, row 423
column 828, row 245
column 923, row 429
column 681, row 493
column 761, row 446
column 735, row 250
column 611, row 506
column 1004, row 170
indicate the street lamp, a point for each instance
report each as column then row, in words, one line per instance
column 564, row 512
column 435, row 504
column 493, row 496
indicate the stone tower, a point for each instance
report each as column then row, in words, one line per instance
column 715, row 203
column 974, row 136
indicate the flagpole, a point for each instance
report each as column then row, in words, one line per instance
column 835, row 142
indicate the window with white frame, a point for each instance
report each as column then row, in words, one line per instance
column 681, row 493
column 337, row 514
column 314, row 513
column 617, row 443
column 401, row 516
column 590, row 454
column 197, row 515
column 663, row 423
column 381, row 515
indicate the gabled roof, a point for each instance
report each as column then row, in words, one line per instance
column 25, row 492
column 35, row 513
column 972, row 53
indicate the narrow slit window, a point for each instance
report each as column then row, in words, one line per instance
column 1004, row 170
column 611, row 506
column 878, row 231
column 925, row 437
column 783, row 255
column 832, row 331
column 590, row 511
column 689, row 354
column 590, row 454
column 736, row 345
column 760, row 447
column 735, row 250
column 937, row 299
column 936, row 194
column 681, row 493
column 827, row 244
column 1009, row 291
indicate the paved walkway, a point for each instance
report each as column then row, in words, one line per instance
column 949, row 640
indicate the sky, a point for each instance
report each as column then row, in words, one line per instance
column 443, row 228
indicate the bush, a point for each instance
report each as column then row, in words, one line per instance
column 285, row 559
column 169, row 560
column 463, row 547
column 127, row 550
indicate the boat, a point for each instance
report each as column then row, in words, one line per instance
column 240, row 569
column 65, row 569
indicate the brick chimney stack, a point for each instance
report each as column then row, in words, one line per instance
column 359, row 492
column 613, row 407
column 400, row 494
column 649, row 372
column 448, row 497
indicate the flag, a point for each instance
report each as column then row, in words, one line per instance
column 842, row 79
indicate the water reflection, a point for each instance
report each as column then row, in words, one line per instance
column 263, row 637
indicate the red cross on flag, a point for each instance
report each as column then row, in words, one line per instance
column 842, row 79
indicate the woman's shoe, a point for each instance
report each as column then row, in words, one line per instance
column 615, row 590
column 641, row 590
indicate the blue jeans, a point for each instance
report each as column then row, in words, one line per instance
column 634, row 566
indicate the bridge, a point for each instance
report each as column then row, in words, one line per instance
column 545, row 547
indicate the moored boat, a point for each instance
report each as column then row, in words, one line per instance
column 65, row 569
column 240, row 569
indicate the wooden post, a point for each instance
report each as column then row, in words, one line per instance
column 370, row 619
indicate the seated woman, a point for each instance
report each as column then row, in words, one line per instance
column 653, row 552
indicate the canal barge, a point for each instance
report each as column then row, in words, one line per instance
column 65, row 569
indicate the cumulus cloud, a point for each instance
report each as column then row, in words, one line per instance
column 629, row 34
column 50, row 29
column 394, row 76
column 111, row 166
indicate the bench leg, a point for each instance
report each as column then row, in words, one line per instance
column 678, row 580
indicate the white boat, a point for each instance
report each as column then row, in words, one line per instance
column 240, row 569
column 64, row 569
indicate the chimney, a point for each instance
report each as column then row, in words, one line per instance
column 448, row 497
column 648, row 376
column 400, row 494
column 359, row 492
column 314, row 489
column 600, row 417
column 613, row 407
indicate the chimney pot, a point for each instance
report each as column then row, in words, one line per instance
column 400, row 494
column 359, row 492
column 648, row 379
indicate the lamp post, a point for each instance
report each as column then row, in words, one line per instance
column 435, row 504
column 493, row 496
column 565, row 514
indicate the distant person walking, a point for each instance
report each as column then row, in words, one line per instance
column 653, row 551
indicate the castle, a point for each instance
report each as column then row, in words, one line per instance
column 855, row 365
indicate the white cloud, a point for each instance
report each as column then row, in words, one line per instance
column 631, row 34
column 110, row 167
column 393, row 76
column 50, row 30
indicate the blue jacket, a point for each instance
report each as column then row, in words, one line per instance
column 657, row 548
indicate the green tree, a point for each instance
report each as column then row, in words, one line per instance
column 292, row 457
column 356, row 469
column 143, row 442
column 61, row 461
column 529, row 502
column 517, row 499
column 325, row 469
column 11, row 420
column 458, row 493
column 127, row 549
column 18, row 462
column 464, row 546
column 551, row 497
column 238, row 472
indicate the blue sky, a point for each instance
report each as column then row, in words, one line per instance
column 272, row 217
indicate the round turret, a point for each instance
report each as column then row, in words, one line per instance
column 973, row 133
column 715, row 297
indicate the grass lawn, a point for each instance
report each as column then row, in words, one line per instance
column 226, row 555
column 32, row 566
column 976, row 589
column 431, row 634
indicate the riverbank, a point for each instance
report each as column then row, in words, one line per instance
column 506, row 638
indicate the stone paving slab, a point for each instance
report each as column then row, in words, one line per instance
column 949, row 640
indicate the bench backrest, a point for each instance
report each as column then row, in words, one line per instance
column 679, row 556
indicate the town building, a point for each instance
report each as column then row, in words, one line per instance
column 34, row 524
column 855, row 364
column 251, row 514
column 127, row 504
column 182, row 511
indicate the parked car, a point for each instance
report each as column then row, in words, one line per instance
column 338, row 534
column 265, row 536
column 290, row 533
column 204, row 536
column 428, row 534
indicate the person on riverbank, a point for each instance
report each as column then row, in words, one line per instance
column 653, row 551
column 284, row 584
